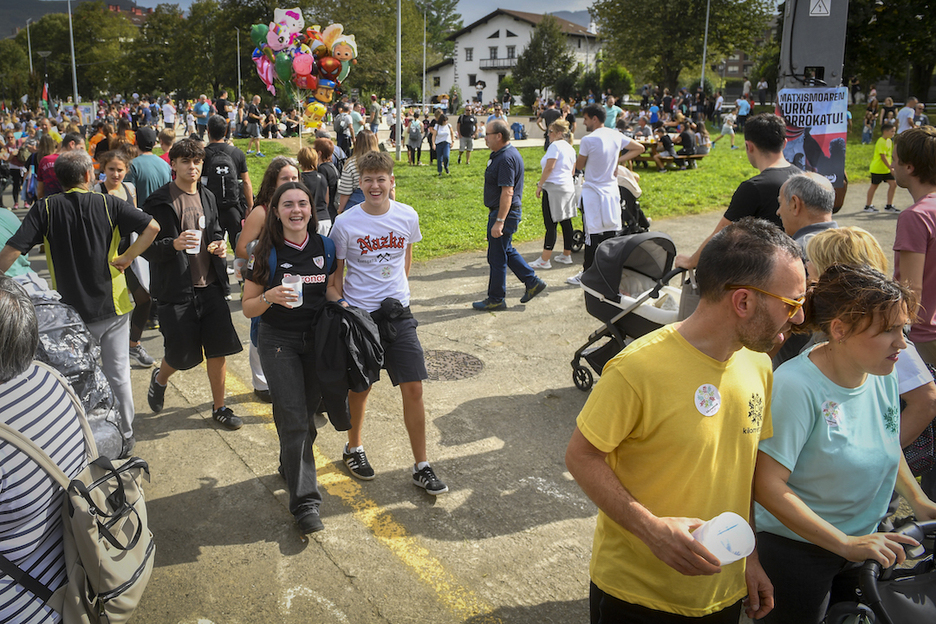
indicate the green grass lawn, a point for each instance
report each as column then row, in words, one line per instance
column 453, row 217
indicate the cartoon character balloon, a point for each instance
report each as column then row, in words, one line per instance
column 314, row 113
column 291, row 20
column 345, row 51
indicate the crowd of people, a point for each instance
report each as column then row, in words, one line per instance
column 324, row 249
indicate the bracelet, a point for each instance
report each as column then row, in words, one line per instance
column 342, row 300
column 265, row 300
column 500, row 220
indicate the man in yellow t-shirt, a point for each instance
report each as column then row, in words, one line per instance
column 882, row 169
column 669, row 436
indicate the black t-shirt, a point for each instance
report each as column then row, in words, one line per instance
column 222, row 107
column 78, row 230
column 330, row 172
column 467, row 125
column 757, row 197
column 668, row 103
column 307, row 260
column 253, row 113
column 666, row 141
column 317, row 183
column 570, row 118
column 549, row 116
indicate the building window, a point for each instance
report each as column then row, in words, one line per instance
column 469, row 54
column 579, row 44
column 511, row 34
column 732, row 69
column 734, row 57
column 472, row 79
column 492, row 52
column 495, row 35
column 511, row 52
column 436, row 82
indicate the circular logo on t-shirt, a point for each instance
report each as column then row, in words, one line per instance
column 707, row 400
column 386, row 272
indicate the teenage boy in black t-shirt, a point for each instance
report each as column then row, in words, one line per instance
column 186, row 270
column 764, row 140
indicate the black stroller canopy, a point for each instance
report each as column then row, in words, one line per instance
column 649, row 253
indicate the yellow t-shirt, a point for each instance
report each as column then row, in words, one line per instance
column 681, row 432
column 886, row 147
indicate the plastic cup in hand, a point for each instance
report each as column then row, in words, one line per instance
column 294, row 282
column 728, row 536
column 194, row 250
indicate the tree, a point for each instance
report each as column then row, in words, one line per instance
column 545, row 59
column 442, row 19
column 892, row 38
column 156, row 55
column 667, row 36
column 14, row 70
column 102, row 39
column 618, row 80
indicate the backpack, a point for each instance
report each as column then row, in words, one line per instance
column 108, row 546
column 221, row 177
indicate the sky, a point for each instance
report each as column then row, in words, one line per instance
column 471, row 10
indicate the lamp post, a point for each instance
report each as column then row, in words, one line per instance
column 44, row 55
column 238, row 65
column 71, row 38
column 399, row 69
column 29, row 45
column 708, row 6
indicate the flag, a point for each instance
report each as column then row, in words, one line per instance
column 45, row 96
column 24, row 99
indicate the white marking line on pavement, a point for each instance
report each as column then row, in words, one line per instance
column 460, row 600
column 305, row 592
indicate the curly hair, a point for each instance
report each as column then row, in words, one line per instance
column 271, row 236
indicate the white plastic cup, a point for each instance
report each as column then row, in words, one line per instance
column 294, row 282
column 194, row 250
column 728, row 536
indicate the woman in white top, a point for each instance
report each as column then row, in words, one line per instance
column 558, row 193
column 442, row 139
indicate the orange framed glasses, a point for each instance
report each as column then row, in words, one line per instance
column 795, row 304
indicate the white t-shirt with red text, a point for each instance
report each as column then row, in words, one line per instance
column 374, row 250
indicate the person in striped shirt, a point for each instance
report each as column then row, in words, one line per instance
column 36, row 403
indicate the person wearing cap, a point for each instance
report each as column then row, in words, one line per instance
column 148, row 172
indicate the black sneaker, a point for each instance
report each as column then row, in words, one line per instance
column 226, row 417
column 156, row 395
column 310, row 523
column 891, row 209
column 427, row 480
column 489, row 305
column 533, row 290
column 358, row 465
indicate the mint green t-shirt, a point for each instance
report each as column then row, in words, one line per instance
column 9, row 223
column 842, row 446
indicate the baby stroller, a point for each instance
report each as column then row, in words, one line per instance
column 627, row 272
column 873, row 595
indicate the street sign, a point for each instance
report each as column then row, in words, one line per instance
column 819, row 8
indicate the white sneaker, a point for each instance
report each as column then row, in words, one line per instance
column 575, row 280
column 563, row 259
column 539, row 263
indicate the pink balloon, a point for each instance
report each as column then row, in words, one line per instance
column 266, row 72
column 303, row 64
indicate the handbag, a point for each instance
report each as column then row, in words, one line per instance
column 109, row 549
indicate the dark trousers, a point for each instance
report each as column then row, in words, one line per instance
column 501, row 255
column 142, row 305
column 606, row 609
column 566, row 226
column 592, row 245
column 201, row 129
column 288, row 360
column 803, row 576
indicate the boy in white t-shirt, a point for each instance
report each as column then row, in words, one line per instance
column 374, row 240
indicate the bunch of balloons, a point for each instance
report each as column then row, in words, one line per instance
column 309, row 63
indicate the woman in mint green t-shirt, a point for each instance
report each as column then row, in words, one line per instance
column 824, row 480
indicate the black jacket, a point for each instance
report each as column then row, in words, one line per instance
column 348, row 354
column 170, row 278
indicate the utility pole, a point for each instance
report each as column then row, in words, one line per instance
column 29, row 45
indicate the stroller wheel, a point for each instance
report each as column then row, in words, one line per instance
column 582, row 378
column 578, row 240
